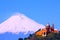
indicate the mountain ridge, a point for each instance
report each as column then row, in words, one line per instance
column 19, row 23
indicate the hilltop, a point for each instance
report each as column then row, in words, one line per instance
column 47, row 33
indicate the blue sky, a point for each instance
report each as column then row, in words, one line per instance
column 42, row 11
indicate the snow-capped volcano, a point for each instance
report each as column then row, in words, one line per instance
column 19, row 23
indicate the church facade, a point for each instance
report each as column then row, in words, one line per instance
column 45, row 31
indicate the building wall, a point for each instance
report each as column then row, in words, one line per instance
column 46, row 31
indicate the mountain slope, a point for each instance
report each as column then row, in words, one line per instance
column 19, row 23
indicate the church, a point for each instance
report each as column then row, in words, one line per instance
column 45, row 31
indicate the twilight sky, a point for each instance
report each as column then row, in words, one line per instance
column 42, row 11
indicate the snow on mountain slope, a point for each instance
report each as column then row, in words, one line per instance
column 19, row 23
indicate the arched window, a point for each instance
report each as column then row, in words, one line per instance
column 44, row 33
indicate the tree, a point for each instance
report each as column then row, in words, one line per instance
column 25, row 38
column 20, row 39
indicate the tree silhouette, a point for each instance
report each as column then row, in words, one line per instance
column 25, row 38
column 20, row 39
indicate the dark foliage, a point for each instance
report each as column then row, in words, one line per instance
column 20, row 39
column 50, row 36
